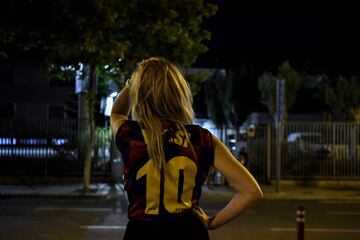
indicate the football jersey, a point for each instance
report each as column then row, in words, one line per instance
column 155, row 194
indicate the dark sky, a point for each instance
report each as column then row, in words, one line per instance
column 312, row 36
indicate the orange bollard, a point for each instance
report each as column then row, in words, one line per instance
column 300, row 219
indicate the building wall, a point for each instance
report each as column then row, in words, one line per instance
column 26, row 92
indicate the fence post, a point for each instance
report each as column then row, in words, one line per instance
column 279, row 119
column 268, row 160
column 300, row 219
column 278, row 156
column 333, row 150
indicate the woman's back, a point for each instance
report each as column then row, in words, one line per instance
column 155, row 194
column 166, row 160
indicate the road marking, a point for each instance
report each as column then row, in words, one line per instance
column 282, row 229
column 343, row 213
column 74, row 209
column 217, row 210
column 325, row 230
column 339, row 202
column 100, row 227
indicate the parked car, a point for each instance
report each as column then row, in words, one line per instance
column 239, row 148
column 308, row 143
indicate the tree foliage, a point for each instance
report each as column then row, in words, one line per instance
column 267, row 86
column 344, row 99
column 214, row 95
column 197, row 79
column 312, row 92
column 226, row 95
column 237, row 83
column 103, row 34
column 292, row 80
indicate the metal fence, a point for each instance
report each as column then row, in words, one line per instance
column 57, row 148
column 321, row 150
column 261, row 153
column 51, row 148
column 328, row 151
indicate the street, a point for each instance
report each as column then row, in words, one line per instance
column 97, row 218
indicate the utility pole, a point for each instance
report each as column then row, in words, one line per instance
column 280, row 116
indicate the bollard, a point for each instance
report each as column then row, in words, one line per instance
column 300, row 219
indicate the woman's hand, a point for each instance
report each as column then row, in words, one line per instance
column 128, row 83
column 204, row 218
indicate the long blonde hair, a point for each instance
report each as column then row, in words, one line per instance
column 159, row 92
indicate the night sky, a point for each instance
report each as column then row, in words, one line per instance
column 312, row 36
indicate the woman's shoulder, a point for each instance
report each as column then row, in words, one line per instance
column 198, row 128
column 131, row 125
column 204, row 135
column 128, row 127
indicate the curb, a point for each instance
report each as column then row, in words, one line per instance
column 54, row 191
column 334, row 184
column 289, row 192
column 293, row 193
column 286, row 197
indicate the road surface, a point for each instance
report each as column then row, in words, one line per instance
column 69, row 219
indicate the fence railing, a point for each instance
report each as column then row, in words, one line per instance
column 51, row 148
column 321, row 150
column 329, row 151
column 308, row 150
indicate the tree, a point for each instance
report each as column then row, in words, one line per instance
column 105, row 34
column 267, row 87
column 344, row 99
column 197, row 79
column 312, row 92
column 226, row 98
column 238, row 81
column 214, row 92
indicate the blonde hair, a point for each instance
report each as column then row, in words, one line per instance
column 159, row 92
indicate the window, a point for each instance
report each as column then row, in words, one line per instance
column 31, row 111
column 56, row 112
column 6, row 77
column 57, row 82
column 7, row 110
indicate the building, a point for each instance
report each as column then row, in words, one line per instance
column 28, row 93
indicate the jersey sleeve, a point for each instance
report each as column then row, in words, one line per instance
column 124, row 136
column 208, row 149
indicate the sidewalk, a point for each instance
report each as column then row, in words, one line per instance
column 61, row 190
column 288, row 191
column 291, row 191
column 326, row 191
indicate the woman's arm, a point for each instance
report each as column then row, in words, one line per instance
column 120, row 109
column 248, row 190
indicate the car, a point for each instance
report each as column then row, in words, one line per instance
column 238, row 148
column 308, row 143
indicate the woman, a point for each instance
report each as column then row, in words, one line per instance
column 167, row 159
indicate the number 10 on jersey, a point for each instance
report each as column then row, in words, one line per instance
column 176, row 198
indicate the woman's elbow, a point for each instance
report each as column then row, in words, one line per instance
column 259, row 194
column 255, row 194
